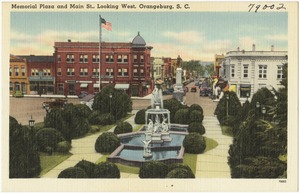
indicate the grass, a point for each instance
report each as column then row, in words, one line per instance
column 283, row 158
column 210, row 144
column 48, row 162
column 191, row 161
column 226, row 130
column 136, row 128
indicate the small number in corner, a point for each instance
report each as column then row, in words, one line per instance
column 282, row 181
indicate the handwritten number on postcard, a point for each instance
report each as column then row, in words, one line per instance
column 259, row 7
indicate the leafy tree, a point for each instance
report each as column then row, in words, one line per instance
column 107, row 143
column 173, row 105
column 140, row 117
column 182, row 116
column 48, row 138
column 24, row 160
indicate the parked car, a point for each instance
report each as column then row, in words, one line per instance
column 194, row 89
column 205, row 89
column 18, row 94
column 56, row 103
column 82, row 94
column 168, row 91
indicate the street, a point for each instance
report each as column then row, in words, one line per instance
column 23, row 108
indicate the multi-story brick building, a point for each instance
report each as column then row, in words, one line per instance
column 248, row 71
column 41, row 74
column 126, row 65
column 18, row 75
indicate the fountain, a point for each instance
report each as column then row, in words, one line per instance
column 157, row 140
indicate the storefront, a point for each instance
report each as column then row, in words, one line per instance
column 41, row 84
column 245, row 90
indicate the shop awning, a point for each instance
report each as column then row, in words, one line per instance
column 245, row 87
column 83, row 85
column 122, row 86
column 96, row 85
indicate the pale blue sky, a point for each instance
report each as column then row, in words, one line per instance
column 192, row 35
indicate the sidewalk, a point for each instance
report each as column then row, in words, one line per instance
column 213, row 163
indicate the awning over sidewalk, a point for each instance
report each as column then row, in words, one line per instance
column 96, row 85
column 83, row 85
column 122, row 86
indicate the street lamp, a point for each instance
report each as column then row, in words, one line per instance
column 227, row 101
column 110, row 96
column 263, row 111
column 31, row 122
column 247, row 94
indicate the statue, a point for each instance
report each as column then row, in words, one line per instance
column 147, row 150
column 164, row 126
column 150, row 125
column 155, row 96
column 156, row 124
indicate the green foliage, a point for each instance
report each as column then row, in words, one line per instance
column 173, row 105
column 196, row 116
column 196, row 127
column 96, row 118
column 153, row 169
column 118, row 105
column 140, row 117
column 63, row 147
column 107, row 143
column 54, row 119
column 196, row 107
column 48, row 138
column 194, row 143
column 88, row 167
column 180, row 173
column 83, row 110
column 182, row 116
column 179, row 165
column 123, row 127
column 106, row 170
column 24, row 160
column 234, row 106
column 73, row 172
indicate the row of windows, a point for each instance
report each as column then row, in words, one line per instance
column 109, row 58
column 16, row 71
column 262, row 71
column 36, row 72
column 108, row 72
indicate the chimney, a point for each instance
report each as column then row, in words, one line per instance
column 253, row 47
column 272, row 48
column 69, row 40
column 238, row 49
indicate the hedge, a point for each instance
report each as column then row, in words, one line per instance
column 73, row 172
column 194, row 143
column 180, row 173
column 123, row 127
column 153, row 169
column 107, row 143
column 106, row 170
column 196, row 127
column 47, row 138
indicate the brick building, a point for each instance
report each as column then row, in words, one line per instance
column 126, row 65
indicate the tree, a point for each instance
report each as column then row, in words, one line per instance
column 47, row 138
column 173, row 105
column 123, row 127
column 194, row 143
column 24, row 160
column 107, row 143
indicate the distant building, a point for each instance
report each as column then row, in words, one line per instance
column 217, row 63
column 248, row 71
column 41, row 74
column 158, row 65
column 18, row 80
column 125, row 65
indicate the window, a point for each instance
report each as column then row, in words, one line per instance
column 83, row 71
column 244, row 90
column 58, row 58
column 122, row 58
column 141, row 58
column 95, row 58
column 70, row 58
column 10, row 71
column 123, row 72
column 83, row 58
column 34, row 72
column 246, row 70
column 46, row 72
column 135, row 72
column 232, row 71
column 95, row 71
column 16, row 71
column 262, row 71
column 142, row 72
column 23, row 70
column 11, row 86
column 109, row 71
column 58, row 71
column 109, row 58
column 60, row 89
column 279, row 72
column 135, row 58
column 70, row 72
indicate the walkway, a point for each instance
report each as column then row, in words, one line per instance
column 213, row 163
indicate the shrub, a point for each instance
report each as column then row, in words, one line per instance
column 196, row 116
column 229, row 121
column 55, row 119
column 180, row 173
column 194, row 143
column 47, row 138
column 182, row 116
column 153, row 169
column 81, row 128
column 107, row 143
column 83, row 110
column 94, row 129
column 179, row 165
column 196, row 107
column 173, row 105
column 140, row 117
column 196, row 127
column 123, row 127
column 73, row 172
column 88, row 167
column 63, row 147
column 101, row 119
column 106, row 170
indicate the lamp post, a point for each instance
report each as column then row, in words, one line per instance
column 247, row 94
column 227, row 101
column 110, row 96
column 257, row 104
column 263, row 111
column 31, row 122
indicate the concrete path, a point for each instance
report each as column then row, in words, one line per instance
column 213, row 163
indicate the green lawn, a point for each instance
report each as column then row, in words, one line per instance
column 190, row 160
column 136, row 128
column 226, row 130
column 210, row 144
column 48, row 162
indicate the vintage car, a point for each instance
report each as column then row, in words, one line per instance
column 205, row 89
column 194, row 89
column 54, row 103
column 18, row 94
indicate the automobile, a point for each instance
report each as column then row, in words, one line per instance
column 194, row 89
column 56, row 103
column 205, row 89
column 82, row 94
column 168, row 91
column 18, row 94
